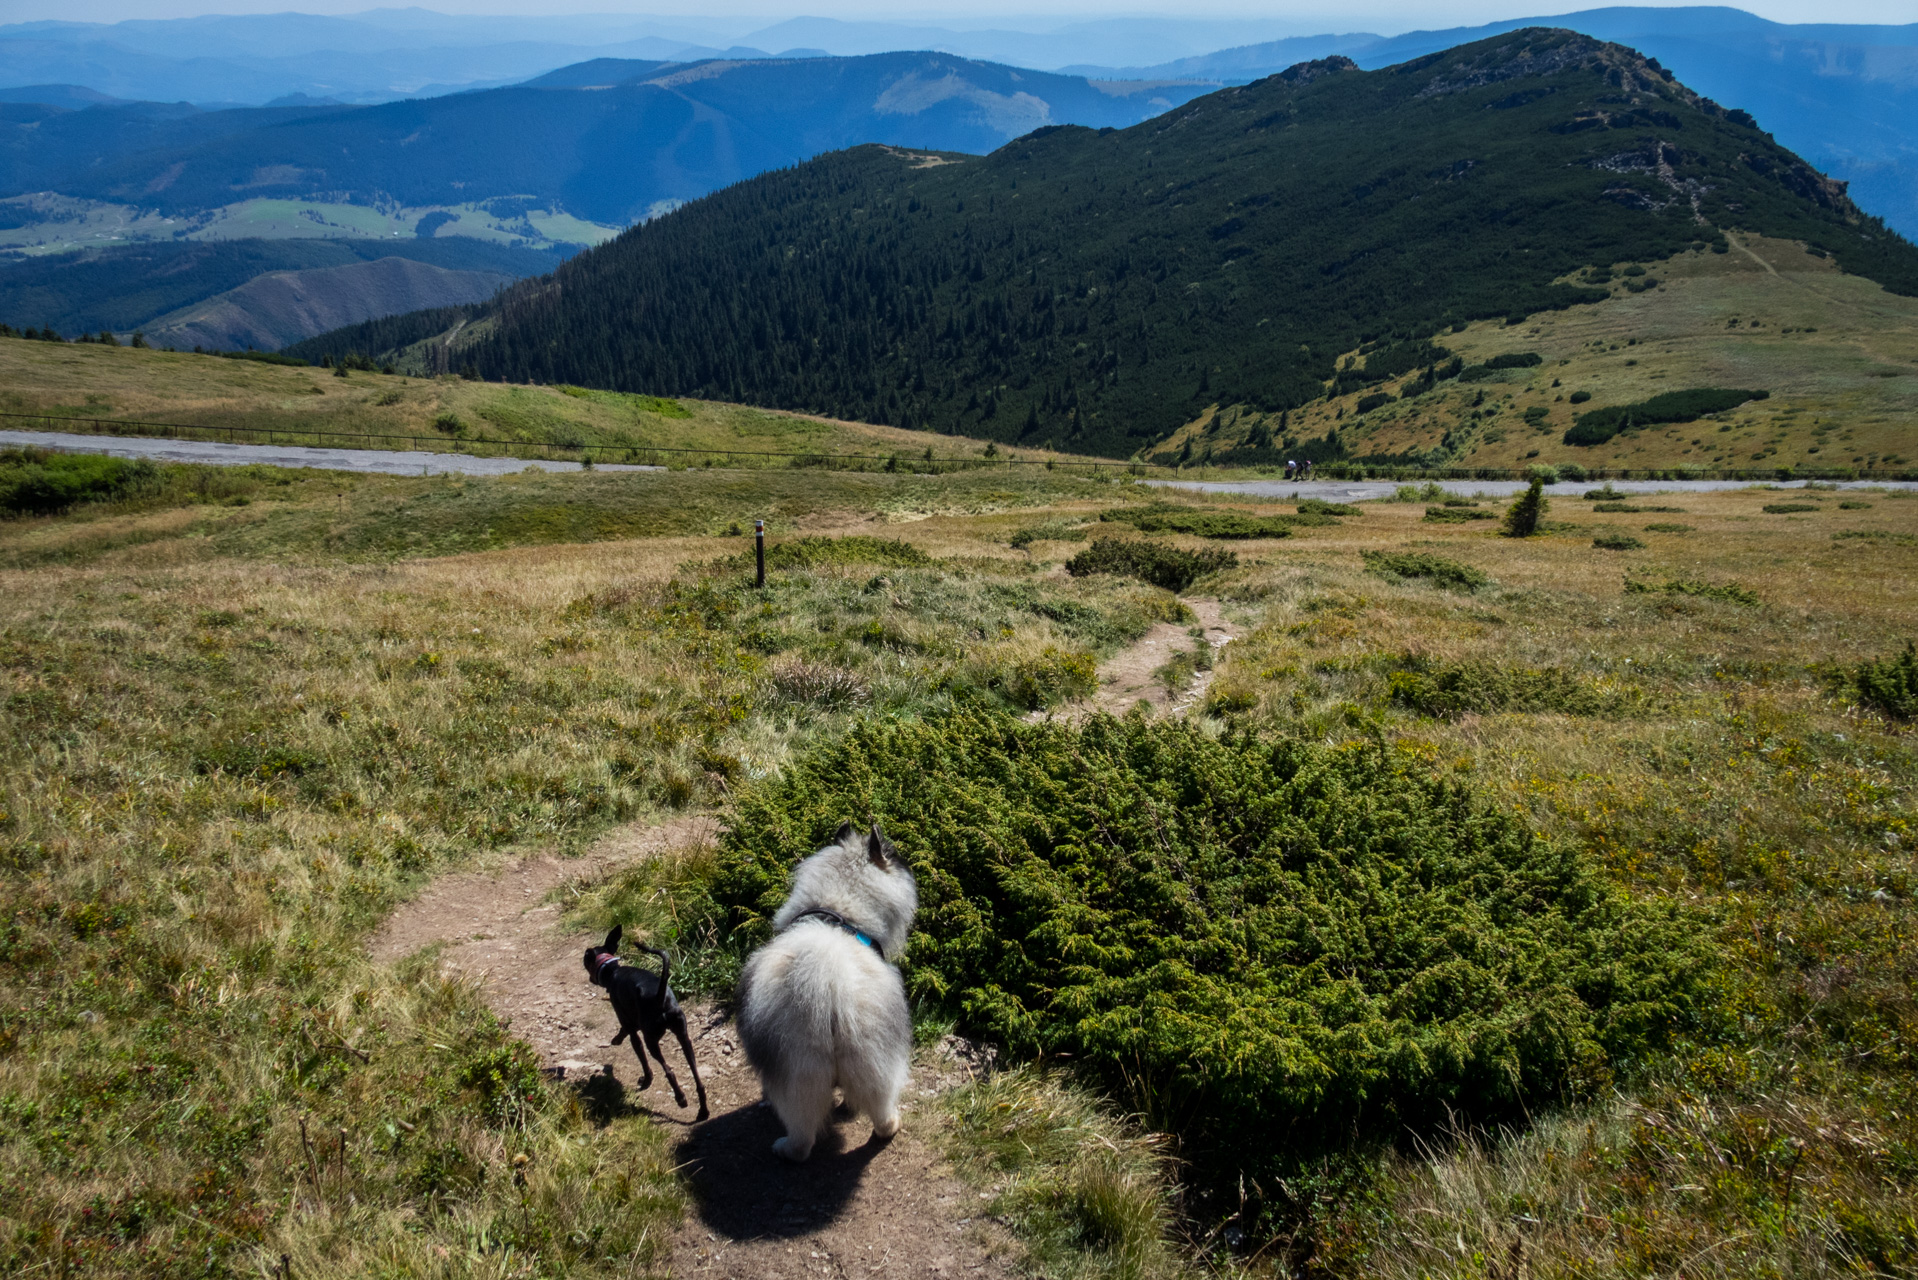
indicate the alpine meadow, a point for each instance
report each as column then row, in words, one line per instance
column 1488, row 855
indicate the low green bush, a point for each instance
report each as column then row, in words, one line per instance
column 1201, row 523
column 1456, row 515
column 35, row 482
column 1579, row 397
column 1050, row 531
column 1606, row 494
column 1617, row 542
column 1889, row 685
column 1727, row 591
column 819, row 553
column 1452, row 689
column 1436, row 569
column 1430, row 491
column 1670, row 527
column 1854, row 506
column 1159, row 563
column 1054, row 677
column 1788, row 508
column 1270, row 947
column 1320, row 507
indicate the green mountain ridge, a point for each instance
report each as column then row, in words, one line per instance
column 1095, row 290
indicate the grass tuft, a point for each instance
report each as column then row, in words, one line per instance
column 1449, row 574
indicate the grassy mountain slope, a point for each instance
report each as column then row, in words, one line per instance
column 271, row 311
column 1838, row 354
column 1098, row 290
column 124, row 287
column 75, row 381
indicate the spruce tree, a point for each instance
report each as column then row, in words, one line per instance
column 1522, row 520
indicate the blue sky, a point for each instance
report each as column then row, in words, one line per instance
column 1306, row 16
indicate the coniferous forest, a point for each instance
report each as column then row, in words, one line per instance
column 1093, row 290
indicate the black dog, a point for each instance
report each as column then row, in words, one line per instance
column 646, row 1009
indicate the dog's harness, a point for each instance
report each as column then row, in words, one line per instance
column 606, row 961
column 834, row 918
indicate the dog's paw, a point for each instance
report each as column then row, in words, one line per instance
column 792, row 1149
column 887, row 1127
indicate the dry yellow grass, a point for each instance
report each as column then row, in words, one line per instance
column 224, row 761
column 86, row 382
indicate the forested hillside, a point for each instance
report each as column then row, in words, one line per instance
column 1096, row 289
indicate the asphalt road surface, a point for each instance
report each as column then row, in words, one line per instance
column 388, row 461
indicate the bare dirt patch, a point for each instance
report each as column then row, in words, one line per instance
column 858, row 1208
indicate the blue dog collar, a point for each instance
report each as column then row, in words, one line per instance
column 834, row 918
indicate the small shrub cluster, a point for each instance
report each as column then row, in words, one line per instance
column 1267, row 946
column 1854, row 506
column 1203, row 524
column 1889, row 685
column 820, row 553
column 36, row 482
column 1445, row 690
column 1617, row 542
column 1320, row 507
column 1668, row 526
column 1449, row 574
column 1159, row 563
column 1789, row 508
column 1050, row 531
column 1605, row 494
column 1727, row 591
column 1053, row 677
column 1456, row 515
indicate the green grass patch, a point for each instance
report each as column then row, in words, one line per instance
column 1667, row 526
column 1192, row 932
column 1457, row 515
column 1086, row 1194
column 1789, row 508
column 1730, row 592
column 1320, row 507
column 1618, row 542
column 1449, row 574
column 1159, row 563
column 1875, row 535
column 37, row 482
column 1854, row 506
column 818, row 553
column 1448, row 689
column 1202, row 523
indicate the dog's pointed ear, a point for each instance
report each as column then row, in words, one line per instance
column 845, row 833
column 612, row 939
column 878, row 849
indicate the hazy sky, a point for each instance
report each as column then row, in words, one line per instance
column 1384, row 16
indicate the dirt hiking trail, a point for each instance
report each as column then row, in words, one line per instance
column 1127, row 678
column 858, row 1209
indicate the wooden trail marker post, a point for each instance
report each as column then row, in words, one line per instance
column 759, row 548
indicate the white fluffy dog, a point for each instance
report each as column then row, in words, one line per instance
column 820, row 1005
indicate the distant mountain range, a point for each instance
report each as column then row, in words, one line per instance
column 548, row 166
column 608, row 140
column 1095, row 290
column 1843, row 96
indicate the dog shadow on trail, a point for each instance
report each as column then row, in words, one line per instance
column 745, row 1192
